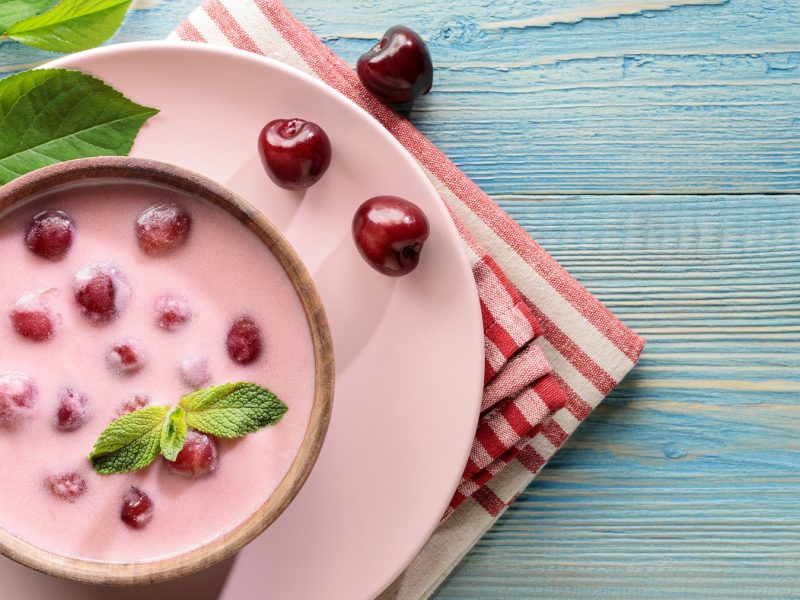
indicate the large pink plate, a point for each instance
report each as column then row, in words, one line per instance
column 409, row 351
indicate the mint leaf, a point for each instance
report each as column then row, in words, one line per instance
column 173, row 433
column 232, row 410
column 71, row 25
column 12, row 11
column 130, row 442
column 51, row 115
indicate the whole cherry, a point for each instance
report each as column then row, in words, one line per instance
column 137, row 508
column 162, row 229
column 295, row 153
column 101, row 291
column 198, row 457
column 32, row 317
column 398, row 69
column 389, row 232
column 50, row 234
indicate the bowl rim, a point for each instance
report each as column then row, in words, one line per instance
column 152, row 172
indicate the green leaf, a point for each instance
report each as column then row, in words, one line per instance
column 51, row 115
column 173, row 433
column 12, row 11
column 130, row 442
column 232, row 410
column 71, row 25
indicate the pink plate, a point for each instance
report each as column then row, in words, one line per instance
column 409, row 351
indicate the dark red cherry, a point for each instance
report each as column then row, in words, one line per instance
column 50, row 234
column 126, row 357
column 244, row 341
column 73, row 410
column 198, row 456
column 33, row 318
column 101, row 291
column 137, row 508
column 389, row 233
column 162, row 229
column 398, row 69
column 295, row 153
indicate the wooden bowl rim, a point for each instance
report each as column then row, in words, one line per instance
column 151, row 172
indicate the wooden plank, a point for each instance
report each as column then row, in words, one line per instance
column 685, row 482
column 548, row 97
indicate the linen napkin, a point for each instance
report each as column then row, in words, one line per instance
column 553, row 351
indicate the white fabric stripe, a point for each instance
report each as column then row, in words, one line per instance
column 479, row 454
column 543, row 446
column 566, row 420
column 571, row 376
column 515, row 325
column 508, row 317
column 502, row 430
column 265, row 37
column 535, row 287
column 468, row 487
column 207, row 28
column 493, row 355
column 471, row 255
column 531, row 405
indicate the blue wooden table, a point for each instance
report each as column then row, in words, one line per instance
column 653, row 146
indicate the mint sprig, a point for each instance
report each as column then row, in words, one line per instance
column 51, row 115
column 131, row 442
column 173, row 433
column 230, row 410
column 69, row 26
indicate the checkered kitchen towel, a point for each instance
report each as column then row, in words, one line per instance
column 553, row 352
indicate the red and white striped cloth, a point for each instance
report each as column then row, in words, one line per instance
column 553, row 352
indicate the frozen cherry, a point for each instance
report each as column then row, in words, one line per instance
column 126, row 357
column 195, row 371
column 244, row 342
column 295, row 153
column 133, row 404
column 398, row 69
column 172, row 311
column 389, row 233
column 163, row 228
column 33, row 318
column 101, row 291
column 197, row 457
column 73, row 410
column 18, row 396
column 137, row 508
column 50, row 234
column 69, row 486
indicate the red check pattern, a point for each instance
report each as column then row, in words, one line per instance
column 553, row 351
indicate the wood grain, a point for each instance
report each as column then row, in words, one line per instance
column 684, row 483
column 656, row 154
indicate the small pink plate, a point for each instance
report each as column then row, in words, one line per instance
column 409, row 351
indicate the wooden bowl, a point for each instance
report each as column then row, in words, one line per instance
column 121, row 169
